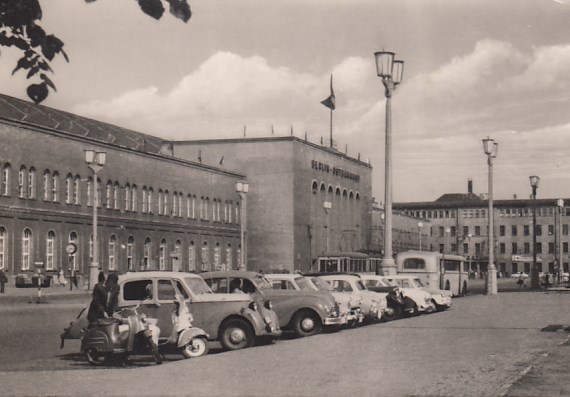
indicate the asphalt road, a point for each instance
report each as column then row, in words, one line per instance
column 480, row 347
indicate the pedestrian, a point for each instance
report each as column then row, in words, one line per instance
column 62, row 280
column 98, row 305
column 3, row 280
column 112, row 289
column 547, row 280
column 74, row 279
column 520, row 282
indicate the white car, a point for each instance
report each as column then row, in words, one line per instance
column 413, row 289
column 349, row 307
column 373, row 304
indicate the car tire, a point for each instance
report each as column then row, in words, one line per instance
column 236, row 334
column 197, row 347
column 307, row 323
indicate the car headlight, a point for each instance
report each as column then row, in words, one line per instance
column 269, row 305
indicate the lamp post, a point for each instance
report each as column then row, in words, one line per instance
column 327, row 205
column 242, row 189
column 534, row 281
column 95, row 161
column 560, row 272
column 420, row 225
column 490, row 148
column 391, row 72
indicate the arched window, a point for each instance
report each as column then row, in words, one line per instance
column 127, row 197
column 162, row 255
column 160, row 201
column 112, row 252
column 109, row 195
column 180, row 200
column 32, row 183
column 6, row 180
column 166, row 211
column 134, row 198
column 130, row 253
column 22, row 182
column 218, row 256
column 3, row 246
column 77, row 190
column 73, row 257
column 26, row 249
column 47, row 182
column 68, row 189
column 229, row 257
column 116, row 188
column 238, row 254
column 175, row 204
column 89, row 192
column 205, row 257
column 55, row 187
column 238, row 220
column 50, row 250
column 147, row 252
column 149, row 198
column 144, row 200
column 191, row 257
column 314, row 187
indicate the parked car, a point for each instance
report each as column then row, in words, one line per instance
column 394, row 297
column 234, row 320
column 426, row 300
column 349, row 307
column 373, row 304
column 303, row 312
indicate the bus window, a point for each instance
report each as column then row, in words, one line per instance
column 449, row 264
column 414, row 263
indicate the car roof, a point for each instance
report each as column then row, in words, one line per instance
column 155, row 274
column 319, row 274
column 288, row 276
column 400, row 277
column 229, row 273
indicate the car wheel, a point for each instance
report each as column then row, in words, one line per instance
column 236, row 334
column 307, row 323
column 195, row 348
column 96, row 358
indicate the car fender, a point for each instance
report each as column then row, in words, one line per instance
column 190, row 333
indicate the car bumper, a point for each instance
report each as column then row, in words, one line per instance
column 427, row 308
column 333, row 321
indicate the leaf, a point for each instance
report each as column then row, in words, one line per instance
column 154, row 8
column 180, row 9
column 37, row 92
column 51, row 46
column 48, row 81
column 36, row 35
column 33, row 70
column 64, row 54
column 23, row 63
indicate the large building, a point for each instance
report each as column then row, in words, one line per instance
column 155, row 211
column 304, row 200
column 459, row 224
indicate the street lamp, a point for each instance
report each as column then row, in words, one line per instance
column 242, row 189
column 327, row 205
column 490, row 148
column 420, row 225
column 534, row 281
column 391, row 72
column 95, row 161
column 560, row 272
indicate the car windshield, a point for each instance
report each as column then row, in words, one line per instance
column 197, row 285
column 261, row 282
column 321, row 284
column 304, row 284
column 360, row 285
column 417, row 283
column 384, row 283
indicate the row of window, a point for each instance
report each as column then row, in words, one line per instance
column 53, row 263
column 176, row 204
column 338, row 191
column 482, row 213
column 452, row 230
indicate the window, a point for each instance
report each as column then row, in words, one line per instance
column 175, row 204
column 551, row 248
column 191, row 257
column 134, row 201
column 465, row 230
column 564, row 248
column 166, row 210
column 50, row 250
column 477, row 230
column 441, row 248
column 453, row 231
column 229, row 257
column 3, row 246
column 160, row 201
column 73, row 257
column 137, row 290
column 109, row 195
column 205, row 256
column 502, row 230
column 68, row 189
column 130, row 251
column 127, row 197
column 89, row 192
column 539, row 248
column 527, row 248
column 502, row 248
column 6, row 172
column 565, row 229
column 166, row 291
column 477, row 248
column 146, row 253
column 144, row 200
column 112, row 252
column 441, row 231
column 414, row 263
column 538, row 230
column 162, row 255
column 116, row 196
column 47, row 180
column 217, row 256
column 514, row 230
column 22, row 182
column 77, row 190
column 465, row 248
column 526, row 230
column 55, row 187
column 550, row 230
column 32, row 183
column 26, row 249
column 149, row 198
column 515, row 248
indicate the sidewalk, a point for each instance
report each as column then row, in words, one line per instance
column 30, row 295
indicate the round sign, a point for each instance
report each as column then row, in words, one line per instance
column 71, row 248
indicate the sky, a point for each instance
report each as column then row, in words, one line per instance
column 473, row 69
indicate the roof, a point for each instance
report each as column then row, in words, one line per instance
column 229, row 273
column 156, row 274
column 30, row 114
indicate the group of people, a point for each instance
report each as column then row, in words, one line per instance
column 105, row 297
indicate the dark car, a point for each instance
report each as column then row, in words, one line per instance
column 303, row 312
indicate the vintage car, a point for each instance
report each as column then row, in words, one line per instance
column 349, row 306
column 303, row 312
column 234, row 320
column 427, row 300
column 373, row 304
column 394, row 297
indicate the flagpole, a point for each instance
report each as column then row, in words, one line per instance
column 331, row 128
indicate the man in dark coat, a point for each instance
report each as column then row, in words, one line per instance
column 98, row 306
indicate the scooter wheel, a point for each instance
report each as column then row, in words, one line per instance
column 195, row 348
column 96, row 358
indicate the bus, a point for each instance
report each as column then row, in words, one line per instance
column 352, row 262
column 436, row 270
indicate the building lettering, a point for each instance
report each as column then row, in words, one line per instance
column 339, row 172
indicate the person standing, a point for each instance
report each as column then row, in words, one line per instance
column 98, row 305
column 74, row 278
column 112, row 290
column 3, row 280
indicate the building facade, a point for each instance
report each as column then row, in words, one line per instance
column 304, row 200
column 155, row 211
column 459, row 224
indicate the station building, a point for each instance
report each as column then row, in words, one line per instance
column 304, row 200
column 459, row 224
column 155, row 211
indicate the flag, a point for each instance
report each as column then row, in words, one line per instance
column 330, row 101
